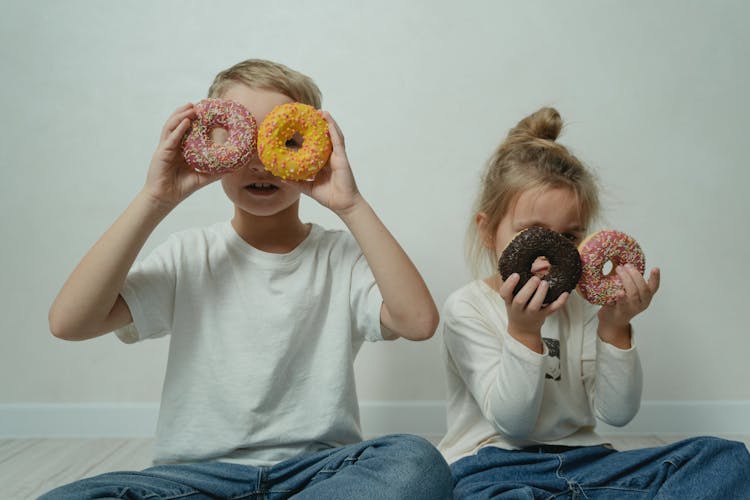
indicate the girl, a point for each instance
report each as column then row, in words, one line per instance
column 527, row 381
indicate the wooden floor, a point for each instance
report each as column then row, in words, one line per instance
column 30, row 467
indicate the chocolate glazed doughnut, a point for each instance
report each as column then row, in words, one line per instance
column 535, row 242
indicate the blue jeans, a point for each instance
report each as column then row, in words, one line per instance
column 390, row 467
column 698, row 468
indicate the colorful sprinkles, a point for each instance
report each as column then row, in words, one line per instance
column 279, row 127
column 598, row 249
column 206, row 156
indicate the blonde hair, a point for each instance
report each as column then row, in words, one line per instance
column 528, row 158
column 269, row 75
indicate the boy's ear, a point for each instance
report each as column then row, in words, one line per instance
column 480, row 219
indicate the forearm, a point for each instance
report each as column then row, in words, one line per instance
column 84, row 306
column 408, row 308
column 619, row 383
column 515, row 400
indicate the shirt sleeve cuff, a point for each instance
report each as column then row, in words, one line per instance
column 615, row 352
column 129, row 333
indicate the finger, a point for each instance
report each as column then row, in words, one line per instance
column 537, row 300
column 643, row 291
column 186, row 111
column 175, row 122
column 337, row 137
column 654, row 280
column 524, row 295
column 184, row 107
column 631, row 290
column 206, row 178
column 173, row 139
column 557, row 304
column 506, row 289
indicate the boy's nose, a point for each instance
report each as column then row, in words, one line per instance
column 255, row 165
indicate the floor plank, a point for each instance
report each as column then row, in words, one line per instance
column 33, row 466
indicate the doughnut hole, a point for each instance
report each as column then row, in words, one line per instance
column 219, row 135
column 295, row 142
column 608, row 268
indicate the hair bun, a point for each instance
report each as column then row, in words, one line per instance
column 543, row 124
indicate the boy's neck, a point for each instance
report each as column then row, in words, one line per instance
column 278, row 233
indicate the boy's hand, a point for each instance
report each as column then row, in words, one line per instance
column 170, row 180
column 526, row 312
column 633, row 299
column 334, row 186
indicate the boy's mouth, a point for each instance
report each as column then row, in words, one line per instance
column 261, row 188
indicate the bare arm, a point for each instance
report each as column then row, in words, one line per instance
column 408, row 308
column 89, row 303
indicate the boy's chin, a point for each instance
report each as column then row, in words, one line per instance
column 267, row 209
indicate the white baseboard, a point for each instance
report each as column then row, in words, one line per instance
column 425, row 418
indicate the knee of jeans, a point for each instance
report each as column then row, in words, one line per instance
column 416, row 448
column 726, row 445
column 711, row 447
column 419, row 459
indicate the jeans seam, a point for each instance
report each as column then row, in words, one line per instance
column 619, row 488
column 345, row 463
column 559, row 469
column 573, row 485
column 258, row 489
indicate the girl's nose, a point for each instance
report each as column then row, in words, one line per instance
column 540, row 267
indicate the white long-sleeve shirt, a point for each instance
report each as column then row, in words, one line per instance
column 501, row 393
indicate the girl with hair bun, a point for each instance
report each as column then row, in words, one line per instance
column 528, row 380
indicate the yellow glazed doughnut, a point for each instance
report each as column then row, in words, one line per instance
column 206, row 156
column 277, row 132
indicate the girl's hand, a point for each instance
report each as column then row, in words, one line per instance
column 526, row 312
column 334, row 186
column 633, row 299
column 170, row 180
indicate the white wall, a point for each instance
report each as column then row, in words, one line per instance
column 654, row 94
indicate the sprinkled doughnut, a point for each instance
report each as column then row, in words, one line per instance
column 528, row 245
column 203, row 154
column 279, row 127
column 598, row 249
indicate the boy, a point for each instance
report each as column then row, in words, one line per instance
column 266, row 314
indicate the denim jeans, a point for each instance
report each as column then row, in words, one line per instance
column 698, row 468
column 390, row 467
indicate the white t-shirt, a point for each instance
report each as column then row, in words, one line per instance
column 501, row 393
column 262, row 345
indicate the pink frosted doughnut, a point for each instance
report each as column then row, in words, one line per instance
column 598, row 249
column 206, row 156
